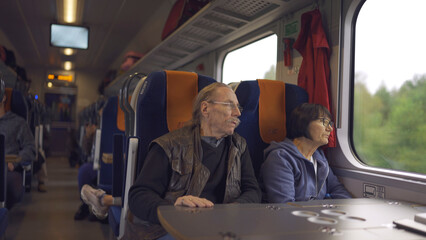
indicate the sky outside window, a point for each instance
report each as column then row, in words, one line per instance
column 252, row 61
column 390, row 44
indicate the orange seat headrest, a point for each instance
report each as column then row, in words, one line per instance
column 272, row 113
column 182, row 89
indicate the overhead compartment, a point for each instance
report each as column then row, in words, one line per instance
column 218, row 23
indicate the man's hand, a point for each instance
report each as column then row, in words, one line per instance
column 191, row 201
column 10, row 167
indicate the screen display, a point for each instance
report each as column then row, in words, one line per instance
column 69, row 36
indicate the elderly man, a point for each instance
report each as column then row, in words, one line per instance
column 198, row 165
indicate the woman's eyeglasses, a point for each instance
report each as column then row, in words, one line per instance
column 326, row 122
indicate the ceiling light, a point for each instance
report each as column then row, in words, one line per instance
column 67, row 65
column 70, row 11
column 68, row 51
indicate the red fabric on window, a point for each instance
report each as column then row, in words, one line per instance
column 314, row 74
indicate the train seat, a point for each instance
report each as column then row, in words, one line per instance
column 111, row 123
column 266, row 104
column 17, row 104
column 3, row 221
column 120, row 143
column 3, row 209
column 163, row 105
column 126, row 117
column 114, row 212
column 134, row 100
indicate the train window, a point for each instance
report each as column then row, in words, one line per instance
column 253, row 61
column 389, row 105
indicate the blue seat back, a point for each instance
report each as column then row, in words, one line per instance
column 3, row 210
column 3, row 221
column 151, row 112
column 16, row 103
column 248, row 93
column 109, row 127
column 3, row 170
column 118, row 165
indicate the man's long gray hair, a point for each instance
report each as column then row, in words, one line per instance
column 204, row 95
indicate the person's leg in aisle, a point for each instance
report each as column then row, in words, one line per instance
column 86, row 175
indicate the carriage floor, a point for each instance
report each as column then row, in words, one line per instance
column 51, row 215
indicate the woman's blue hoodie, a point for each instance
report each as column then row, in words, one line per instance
column 287, row 176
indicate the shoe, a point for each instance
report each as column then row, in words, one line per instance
column 93, row 198
column 82, row 212
column 42, row 187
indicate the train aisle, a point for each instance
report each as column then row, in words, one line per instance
column 51, row 215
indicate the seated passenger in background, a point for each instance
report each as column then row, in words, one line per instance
column 19, row 146
column 296, row 169
column 86, row 173
column 199, row 165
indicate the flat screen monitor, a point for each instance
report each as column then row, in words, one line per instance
column 68, row 36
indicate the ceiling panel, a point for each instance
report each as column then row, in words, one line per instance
column 113, row 24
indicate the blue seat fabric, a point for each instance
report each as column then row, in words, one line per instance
column 151, row 123
column 3, row 221
column 248, row 96
column 3, row 211
column 108, row 129
column 19, row 106
column 151, row 110
column 114, row 214
column 118, row 165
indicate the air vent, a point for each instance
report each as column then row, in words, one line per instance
column 247, row 10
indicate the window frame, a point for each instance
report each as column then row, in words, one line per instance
column 344, row 125
column 252, row 37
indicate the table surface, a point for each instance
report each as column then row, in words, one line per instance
column 321, row 219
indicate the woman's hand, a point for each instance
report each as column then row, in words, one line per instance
column 191, row 201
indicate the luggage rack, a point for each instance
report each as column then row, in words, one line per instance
column 218, row 23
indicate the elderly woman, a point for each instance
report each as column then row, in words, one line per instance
column 296, row 169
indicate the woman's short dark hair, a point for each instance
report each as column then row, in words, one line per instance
column 301, row 116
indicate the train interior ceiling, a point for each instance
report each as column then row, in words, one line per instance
column 127, row 37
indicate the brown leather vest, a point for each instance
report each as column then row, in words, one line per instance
column 183, row 148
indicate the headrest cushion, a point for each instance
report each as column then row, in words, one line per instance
column 182, row 88
column 272, row 114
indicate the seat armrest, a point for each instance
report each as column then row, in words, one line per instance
column 96, row 164
column 132, row 157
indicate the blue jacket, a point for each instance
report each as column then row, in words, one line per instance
column 287, row 176
column 18, row 137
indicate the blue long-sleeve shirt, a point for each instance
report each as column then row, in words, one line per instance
column 287, row 176
column 18, row 137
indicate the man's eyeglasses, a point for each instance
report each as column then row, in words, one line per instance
column 230, row 104
column 326, row 122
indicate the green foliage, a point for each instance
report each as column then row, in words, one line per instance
column 389, row 128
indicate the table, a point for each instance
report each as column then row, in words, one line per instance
column 321, row 219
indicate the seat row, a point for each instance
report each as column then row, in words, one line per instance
column 32, row 112
column 162, row 102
